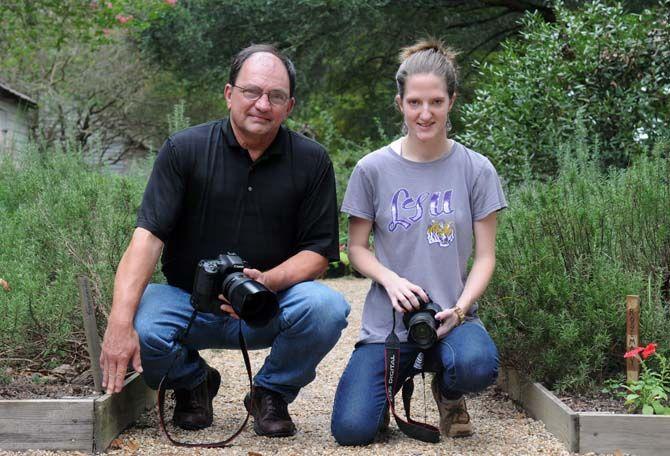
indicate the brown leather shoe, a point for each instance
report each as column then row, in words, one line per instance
column 193, row 408
column 270, row 413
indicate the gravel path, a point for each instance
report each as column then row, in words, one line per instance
column 500, row 427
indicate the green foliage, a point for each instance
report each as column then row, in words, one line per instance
column 76, row 60
column 345, row 51
column 648, row 394
column 569, row 251
column 5, row 378
column 61, row 219
column 601, row 64
column 177, row 120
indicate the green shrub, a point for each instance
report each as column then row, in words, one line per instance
column 60, row 219
column 599, row 63
column 569, row 251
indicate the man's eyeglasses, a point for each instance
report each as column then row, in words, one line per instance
column 276, row 97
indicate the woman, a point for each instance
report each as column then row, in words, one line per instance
column 428, row 199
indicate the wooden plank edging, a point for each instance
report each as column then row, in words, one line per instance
column 642, row 435
column 46, row 424
column 85, row 424
column 115, row 412
column 541, row 404
column 584, row 432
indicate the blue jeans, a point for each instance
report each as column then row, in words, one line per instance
column 310, row 320
column 466, row 360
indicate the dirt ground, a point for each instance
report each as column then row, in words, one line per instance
column 501, row 428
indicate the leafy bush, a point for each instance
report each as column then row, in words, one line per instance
column 60, row 218
column 599, row 63
column 569, row 251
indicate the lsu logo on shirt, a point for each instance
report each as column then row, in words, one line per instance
column 407, row 210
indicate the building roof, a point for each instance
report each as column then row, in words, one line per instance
column 8, row 91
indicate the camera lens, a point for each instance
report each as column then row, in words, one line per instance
column 251, row 300
column 421, row 329
column 421, row 324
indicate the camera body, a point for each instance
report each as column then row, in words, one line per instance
column 251, row 300
column 421, row 324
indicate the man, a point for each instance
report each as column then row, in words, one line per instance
column 246, row 185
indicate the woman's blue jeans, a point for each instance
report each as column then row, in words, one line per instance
column 310, row 320
column 466, row 360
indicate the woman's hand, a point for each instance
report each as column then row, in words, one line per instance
column 448, row 320
column 403, row 293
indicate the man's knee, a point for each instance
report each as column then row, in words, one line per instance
column 155, row 335
column 332, row 307
column 321, row 305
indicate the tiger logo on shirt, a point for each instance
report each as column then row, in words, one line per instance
column 441, row 233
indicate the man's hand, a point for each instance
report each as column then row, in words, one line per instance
column 254, row 274
column 227, row 308
column 119, row 346
column 258, row 276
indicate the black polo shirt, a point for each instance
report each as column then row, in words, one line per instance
column 206, row 196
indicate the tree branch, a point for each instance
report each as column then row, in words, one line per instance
column 522, row 6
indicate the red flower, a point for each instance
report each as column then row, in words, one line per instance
column 649, row 350
column 171, row 2
column 632, row 353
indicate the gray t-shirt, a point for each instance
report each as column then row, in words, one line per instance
column 423, row 216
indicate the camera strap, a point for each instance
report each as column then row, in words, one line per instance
column 161, row 395
column 414, row 429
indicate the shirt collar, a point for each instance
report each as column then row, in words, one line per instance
column 275, row 148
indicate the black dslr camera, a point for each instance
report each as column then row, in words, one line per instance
column 421, row 324
column 251, row 300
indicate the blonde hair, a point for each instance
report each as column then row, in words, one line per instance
column 430, row 56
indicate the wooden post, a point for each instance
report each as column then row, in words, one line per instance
column 91, row 330
column 632, row 335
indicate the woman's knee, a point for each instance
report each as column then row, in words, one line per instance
column 478, row 370
column 352, row 429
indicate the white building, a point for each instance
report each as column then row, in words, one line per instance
column 17, row 116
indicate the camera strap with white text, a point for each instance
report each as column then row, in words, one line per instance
column 161, row 394
column 414, row 429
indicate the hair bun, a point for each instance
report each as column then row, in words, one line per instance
column 429, row 44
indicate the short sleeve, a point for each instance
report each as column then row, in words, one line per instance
column 318, row 229
column 163, row 198
column 487, row 193
column 359, row 196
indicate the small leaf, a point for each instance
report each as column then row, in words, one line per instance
column 632, row 397
column 658, row 408
column 647, row 409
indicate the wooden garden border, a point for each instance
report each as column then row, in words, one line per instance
column 86, row 424
column 582, row 432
